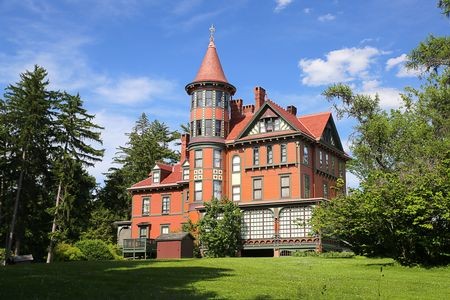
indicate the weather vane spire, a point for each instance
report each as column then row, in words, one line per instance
column 212, row 29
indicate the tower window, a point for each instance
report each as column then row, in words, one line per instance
column 208, row 127
column 208, row 99
column 256, row 156
column 226, row 101
column 198, row 163
column 198, row 128
column 269, row 155
column 219, row 95
column 217, row 186
column 217, row 158
column 198, row 191
column 218, row 129
column 199, row 98
column 283, row 153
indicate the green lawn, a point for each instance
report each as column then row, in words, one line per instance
column 227, row 278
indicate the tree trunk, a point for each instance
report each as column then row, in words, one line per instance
column 55, row 217
column 16, row 208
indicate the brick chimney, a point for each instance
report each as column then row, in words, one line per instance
column 260, row 97
column 248, row 109
column 292, row 110
column 185, row 137
column 236, row 109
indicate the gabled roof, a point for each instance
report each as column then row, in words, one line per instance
column 316, row 123
column 240, row 129
column 173, row 178
column 211, row 68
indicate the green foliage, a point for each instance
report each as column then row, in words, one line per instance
column 67, row 252
column 100, row 225
column 115, row 251
column 95, row 249
column 445, row 6
column 2, row 254
column 220, row 228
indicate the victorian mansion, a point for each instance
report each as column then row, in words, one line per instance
column 274, row 164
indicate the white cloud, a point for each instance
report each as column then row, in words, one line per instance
column 389, row 97
column 326, row 18
column 343, row 65
column 399, row 63
column 307, row 10
column 113, row 136
column 135, row 90
column 282, row 4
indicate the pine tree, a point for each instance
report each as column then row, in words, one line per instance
column 74, row 129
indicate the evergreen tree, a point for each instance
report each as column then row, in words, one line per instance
column 29, row 113
column 74, row 129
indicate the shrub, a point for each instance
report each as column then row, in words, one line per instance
column 305, row 253
column 2, row 254
column 331, row 254
column 66, row 252
column 95, row 249
column 115, row 251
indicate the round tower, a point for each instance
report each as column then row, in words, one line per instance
column 210, row 95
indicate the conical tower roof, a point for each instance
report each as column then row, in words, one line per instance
column 211, row 69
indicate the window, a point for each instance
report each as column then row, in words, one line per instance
column 164, row 229
column 218, row 128
column 156, row 176
column 283, row 153
column 226, row 101
column 165, row 205
column 187, row 196
column 306, row 155
column 258, row 224
column 219, row 95
column 143, row 231
column 277, row 124
column 256, row 156
column 236, row 164
column 217, row 158
column 306, row 186
column 192, row 100
column 327, row 161
column 269, row 155
column 208, row 127
column 217, row 186
column 145, row 206
column 295, row 221
column 198, row 128
column 333, row 167
column 236, row 190
column 199, row 101
column 257, row 188
column 285, row 186
column 198, row 159
column 269, row 125
column 185, row 173
column 208, row 99
column 325, row 190
column 341, row 169
column 198, row 191
column 320, row 159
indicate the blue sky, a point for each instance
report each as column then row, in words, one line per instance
column 128, row 57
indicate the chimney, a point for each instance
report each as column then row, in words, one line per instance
column 260, row 97
column 248, row 109
column 184, row 143
column 292, row 110
column 236, row 109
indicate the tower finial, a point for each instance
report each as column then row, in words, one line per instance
column 212, row 29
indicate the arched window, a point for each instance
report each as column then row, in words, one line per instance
column 294, row 221
column 258, row 224
column 236, row 164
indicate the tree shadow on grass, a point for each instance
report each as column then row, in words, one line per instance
column 112, row 280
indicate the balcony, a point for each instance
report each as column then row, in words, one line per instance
column 140, row 247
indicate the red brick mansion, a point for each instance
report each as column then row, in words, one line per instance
column 274, row 164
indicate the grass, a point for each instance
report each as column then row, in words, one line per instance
column 226, row 278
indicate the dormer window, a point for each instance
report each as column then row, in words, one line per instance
column 156, row 176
